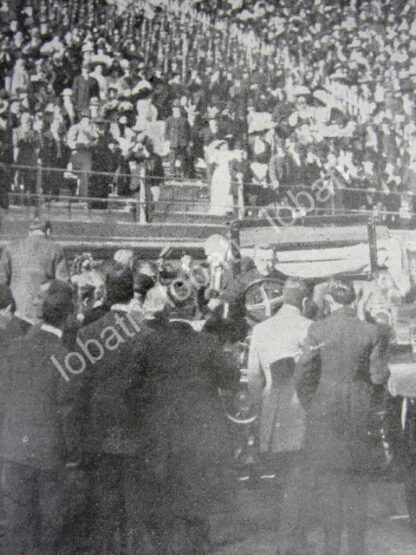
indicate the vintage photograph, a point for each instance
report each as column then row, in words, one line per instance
column 207, row 277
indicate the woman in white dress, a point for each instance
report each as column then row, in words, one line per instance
column 222, row 200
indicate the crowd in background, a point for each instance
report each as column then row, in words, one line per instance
column 115, row 390
column 273, row 96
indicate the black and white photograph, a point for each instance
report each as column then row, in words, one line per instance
column 207, row 277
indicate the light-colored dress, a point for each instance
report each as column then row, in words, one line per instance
column 222, row 201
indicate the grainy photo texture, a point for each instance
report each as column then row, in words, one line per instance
column 207, row 277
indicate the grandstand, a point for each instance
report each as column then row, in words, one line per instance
column 354, row 130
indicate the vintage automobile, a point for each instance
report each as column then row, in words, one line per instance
column 316, row 254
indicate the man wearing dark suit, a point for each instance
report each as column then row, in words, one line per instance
column 11, row 326
column 186, row 436
column 40, row 430
column 178, row 134
column 27, row 264
column 112, row 346
column 341, row 364
column 83, row 89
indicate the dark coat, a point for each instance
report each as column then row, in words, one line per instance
column 11, row 329
column 188, row 436
column 82, row 92
column 49, row 149
column 112, row 386
column 41, row 416
column 28, row 143
column 102, row 160
column 342, row 362
column 178, row 132
column 27, row 264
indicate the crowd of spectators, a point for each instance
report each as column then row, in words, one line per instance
column 271, row 95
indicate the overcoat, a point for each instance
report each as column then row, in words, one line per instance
column 341, row 364
column 112, row 348
column 188, row 433
column 27, row 264
column 41, row 423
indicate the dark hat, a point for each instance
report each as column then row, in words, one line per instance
column 40, row 224
column 6, row 297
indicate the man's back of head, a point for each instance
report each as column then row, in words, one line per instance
column 295, row 292
column 341, row 291
column 119, row 286
column 57, row 303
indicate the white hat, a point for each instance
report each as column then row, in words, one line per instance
column 300, row 90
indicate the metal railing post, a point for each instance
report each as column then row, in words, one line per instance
column 38, row 189
column 372, row 243
column 235, row 246
column 143, row 206
column 240, row 201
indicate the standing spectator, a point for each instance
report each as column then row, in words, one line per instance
column 113, row 431
column 342, row 362
column 49, row 157
column 20, row 77
column 178, row 135
column 125, row 139
column 27, row 264
column 68, row 111
column 146, row 113
column 275, row 346
column 27, row 143
column 189, row 466
column 83, row 89
column 222, row 190
column 154, row 171
column 104, row 159
column 81, row 139
column 98, row 75
column 210, row 133
column 40, row 433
